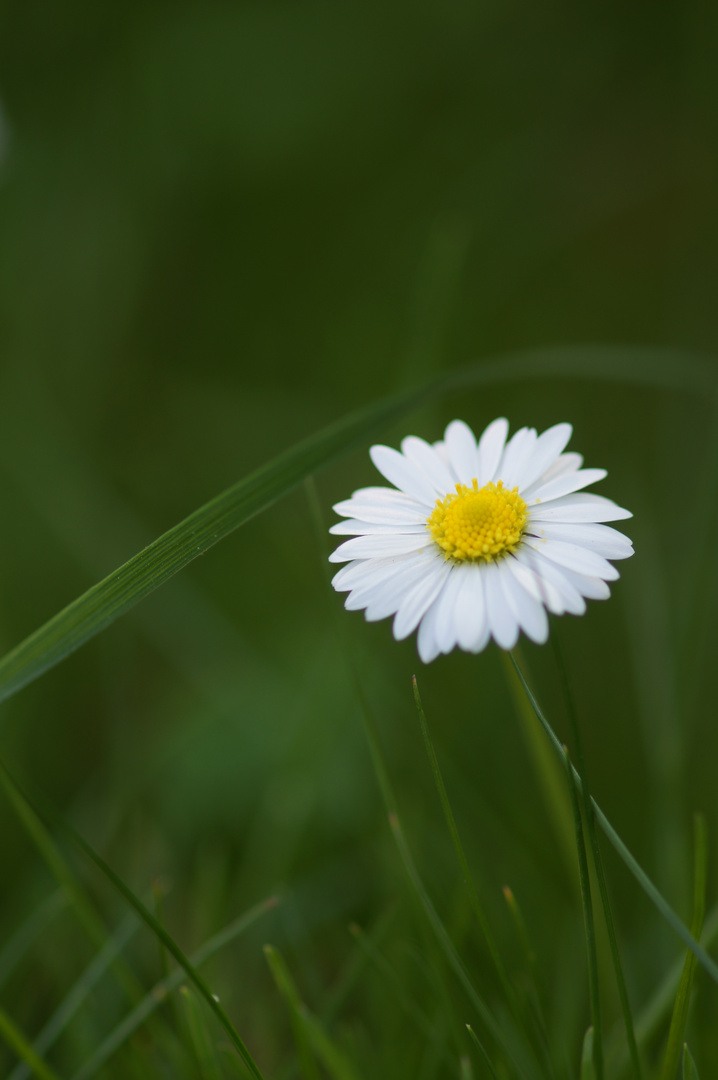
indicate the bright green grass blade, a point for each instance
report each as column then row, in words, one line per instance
column 484, row 1056
column 466, row 1072
column 639, row 874
column 683, row 998
column 654, row 1013
column 690, row 1072
column 26, row 935
column 590, row 930
column 159, row 993
column 587, row 1056
column 309, row 1034
column 590, row 821
column 155, row 564
column 204, row 1049
column 78, row 994
column 21, row 799
column 17, row 1042
column 64, row 873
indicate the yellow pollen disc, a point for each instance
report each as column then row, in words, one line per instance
column 478, row 523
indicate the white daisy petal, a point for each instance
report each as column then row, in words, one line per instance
column 502, row 621
column 466, row 565
column 445, row 624
column 602, row 539
column 383, row 505
column 491, row 447
column 427, row 459
column 580, row 507
column 528, row 611
column 354, row 527
column 384, row 598
column 416, row 603
column 544, row 454
column 378, row 547
column 516, row 455
column 426, row 638
column 574, row 557
column 562, row 485
column 560, row 594
column 463, row 451
column 564, row 463
column 472, row 627
column 404, row 474
column 592, row 588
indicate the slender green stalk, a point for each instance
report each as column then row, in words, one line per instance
column 590, row 930
column 15, row 1039
column 683, row 998
column 615, row 840
column 485, row 1057
column 145, row 914
column 162, row 989
column 597, row 860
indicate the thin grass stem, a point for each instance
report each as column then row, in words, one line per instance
column 15, row 1039
column 683, row 998
column 615, row 840
column 590, row 930
column 589, row 818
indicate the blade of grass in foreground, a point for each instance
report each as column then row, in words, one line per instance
column 114, row 595
column 589, row 928
column 683, row 998
column 15, row 1039
column 638, row 872
column 145, row 914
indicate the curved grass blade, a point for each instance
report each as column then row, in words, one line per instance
column 690, row 1072
column 15, row 1039
column 484, row 1056
column 590, row 931
column 23, row 938
column 118, row 592
column 145, row 914
column 638, row 872
column 162, row 989
column 683, row 998
column 204, row 1049
column 590, row 821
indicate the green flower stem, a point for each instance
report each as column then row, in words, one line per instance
column 614, row 839
column 590, row 930
column 598, row 860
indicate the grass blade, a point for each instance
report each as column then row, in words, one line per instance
column 615, row 840
column 683, row 998
column 587, row 1057
column 485, row 1057
column 160, row 991
column 591, row 955
column 204, row 1049
column 690, row 1072
column 15, row 1039
column 145, row 914
column 589, row 818
column 100, row 605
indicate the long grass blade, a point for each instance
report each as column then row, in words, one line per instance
column 590, row 930
column 614, row 839
column 100, row 605
column 26, row 935
column 590, row 821
column 15, row 1039
column 204, row 1049
column 145, row 914
column 690, row 1072
column 162, row 989
column 480, row 1047
column 683, row 998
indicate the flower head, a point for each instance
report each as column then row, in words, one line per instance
column 478, row 539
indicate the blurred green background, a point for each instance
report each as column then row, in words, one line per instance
column 224, row 225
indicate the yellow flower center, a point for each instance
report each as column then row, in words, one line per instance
column 478, row 523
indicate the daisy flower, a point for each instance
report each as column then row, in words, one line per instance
column 478, row 540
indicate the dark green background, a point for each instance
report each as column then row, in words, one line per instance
column 225, row 225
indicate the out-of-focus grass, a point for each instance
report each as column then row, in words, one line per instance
column 223, row 227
